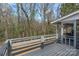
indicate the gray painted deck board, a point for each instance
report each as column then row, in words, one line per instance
column 54, row 50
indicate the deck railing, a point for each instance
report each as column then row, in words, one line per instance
column 15, row 40
column 6, row 49
column 70, row 38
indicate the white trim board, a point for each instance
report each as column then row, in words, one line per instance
column 71, row 16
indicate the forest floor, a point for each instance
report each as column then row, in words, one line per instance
column 1, row 44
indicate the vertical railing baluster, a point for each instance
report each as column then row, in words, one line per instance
column 65, row 40
column 69, row 41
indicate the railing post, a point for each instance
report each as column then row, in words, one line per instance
column 42, row 42
column 9, row 48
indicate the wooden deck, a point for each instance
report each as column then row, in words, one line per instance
column 54, row 50
column 35, row 47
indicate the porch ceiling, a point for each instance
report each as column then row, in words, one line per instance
column 68, row 18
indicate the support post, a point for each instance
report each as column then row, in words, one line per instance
column 75, row 33
column 62, row 30
column 57, row 31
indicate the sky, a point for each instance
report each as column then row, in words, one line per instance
column 55, row 9
column 55, row 6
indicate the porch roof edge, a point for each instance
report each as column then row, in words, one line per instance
column 64, row 17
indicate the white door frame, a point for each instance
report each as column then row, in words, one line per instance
column 74, row 27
